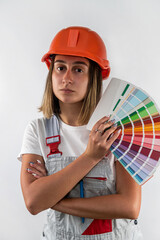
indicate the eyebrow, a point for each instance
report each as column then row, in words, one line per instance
column 77, row 62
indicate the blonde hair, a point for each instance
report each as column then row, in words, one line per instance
column 50, row 103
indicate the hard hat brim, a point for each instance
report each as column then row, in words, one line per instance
column 103, row 64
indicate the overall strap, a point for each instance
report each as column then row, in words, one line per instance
column 52, row 126
column 53, row 138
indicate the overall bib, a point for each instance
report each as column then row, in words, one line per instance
column 99, row 181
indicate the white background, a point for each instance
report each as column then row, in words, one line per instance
column 131, row 32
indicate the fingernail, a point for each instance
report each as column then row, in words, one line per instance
column 28, row 169
column 119, row 130
column 31, row 163
column 34, row 174
column 38, row 161
column 115, row 125
column 113, row 120
column 111, row 135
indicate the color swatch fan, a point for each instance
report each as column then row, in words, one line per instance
column 138, row 146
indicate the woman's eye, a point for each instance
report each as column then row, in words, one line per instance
column 60, row 68
column 78, row 70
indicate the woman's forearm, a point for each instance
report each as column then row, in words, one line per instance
column 124, row 204
column 101, row 207
column 46, row 191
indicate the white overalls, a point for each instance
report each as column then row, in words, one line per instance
column 99, row 181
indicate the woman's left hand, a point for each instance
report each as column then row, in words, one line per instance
column 37, row 169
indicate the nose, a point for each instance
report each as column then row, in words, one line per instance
column 67, row 77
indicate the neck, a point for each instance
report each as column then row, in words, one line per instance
column 70, row 113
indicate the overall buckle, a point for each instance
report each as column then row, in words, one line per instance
column 52, row 143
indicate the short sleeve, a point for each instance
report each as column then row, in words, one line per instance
column 30, row 144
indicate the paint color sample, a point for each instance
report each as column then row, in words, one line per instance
column 138, row 145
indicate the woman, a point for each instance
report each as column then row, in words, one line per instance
column 62, row 160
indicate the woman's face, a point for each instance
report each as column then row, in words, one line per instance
column 70, row 78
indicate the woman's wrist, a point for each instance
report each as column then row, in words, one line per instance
column 92, row 158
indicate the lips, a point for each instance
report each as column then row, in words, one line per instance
column 66, row 90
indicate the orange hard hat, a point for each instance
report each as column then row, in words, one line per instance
column 82, row 42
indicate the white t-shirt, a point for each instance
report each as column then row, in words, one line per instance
column 73, row 139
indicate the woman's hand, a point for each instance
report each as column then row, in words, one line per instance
column 102, row 136
column 37, row 169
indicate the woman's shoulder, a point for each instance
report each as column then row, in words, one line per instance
column 39, row 124
column 36, row 121
column 35, row 125
column 42, row 120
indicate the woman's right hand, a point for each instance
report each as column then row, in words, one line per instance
column 101, row 137
column 37, row 169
